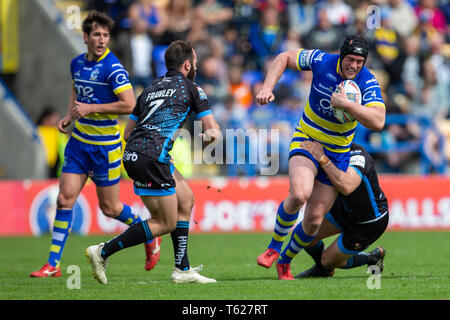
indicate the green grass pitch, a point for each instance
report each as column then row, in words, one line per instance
column 416, row 267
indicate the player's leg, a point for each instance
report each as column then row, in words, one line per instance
column 183, row 272
column 105, row 164
column 162, row 221
column 320, row 202
column 69, row 188
column 301, row 181
column 316, row 248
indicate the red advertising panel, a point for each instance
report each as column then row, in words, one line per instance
column 221, row 205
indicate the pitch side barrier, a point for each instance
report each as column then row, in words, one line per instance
column 222, row 205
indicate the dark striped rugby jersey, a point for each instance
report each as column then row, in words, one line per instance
column 161, row 109
column 368, row 201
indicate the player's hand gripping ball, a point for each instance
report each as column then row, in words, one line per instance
column 354, row 94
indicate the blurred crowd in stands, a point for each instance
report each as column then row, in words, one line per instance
column 236, row 40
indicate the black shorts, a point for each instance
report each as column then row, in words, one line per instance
column 356, row 236
column 150, row 176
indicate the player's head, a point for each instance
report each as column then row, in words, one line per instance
column 353, row 56
column 97, row 27
column 180, row 55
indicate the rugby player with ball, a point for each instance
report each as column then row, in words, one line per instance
column 330, row 118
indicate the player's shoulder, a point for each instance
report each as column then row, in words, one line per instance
column 112, row 62
column 366, row 79
column 79, row 60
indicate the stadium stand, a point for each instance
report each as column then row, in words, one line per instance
column 412, row 58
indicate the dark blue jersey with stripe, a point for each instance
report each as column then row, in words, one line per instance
column 368, row 201
column 161, row 109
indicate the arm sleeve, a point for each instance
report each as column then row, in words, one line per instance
column 118, row 78
column 371, row 93
column 308, row 60
column 134, row 115
column 200, row 105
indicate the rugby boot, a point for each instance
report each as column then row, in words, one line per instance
column 267, row 258
column 46, row 271
column 376, row 258
column 152, row 253
column 284, row 271
column 190, row 276
column 98, row 264
column 315, row 272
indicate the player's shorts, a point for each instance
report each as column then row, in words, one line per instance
column 356, row 236
column 150, row 176
column 100, row 162
column 340, row 160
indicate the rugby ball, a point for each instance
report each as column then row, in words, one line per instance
column 354, row 94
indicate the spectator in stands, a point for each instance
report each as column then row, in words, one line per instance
column 178, row 14
column 338, row 12
column 240, row 90
column 402, row 17
column 213, row 15
column 387, row 44
column 302, row 15
column 267, row 36
column 134, row 48
column 209, row 79
column 149, row 13
column 411, row 69
column 427, row 9
column 324, row 36
column 52, row 140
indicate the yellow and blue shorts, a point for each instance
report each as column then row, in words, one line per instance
column 100, row 162
column 340, row 160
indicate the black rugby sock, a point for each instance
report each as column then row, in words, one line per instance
column 180, row 241
column 134, row 235
column 316, row 252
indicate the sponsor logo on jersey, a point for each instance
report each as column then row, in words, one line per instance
column 202, row 94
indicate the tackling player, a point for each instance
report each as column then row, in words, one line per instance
column 360, row 215
column 307, row 180
column 160, row 111
column 101, row 91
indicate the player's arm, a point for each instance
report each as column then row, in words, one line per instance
column 211, row 129
column 344, row 182
column 287, row 59
column 131, row 124
column 124, row 105
column 65, row 122
column 372, row 117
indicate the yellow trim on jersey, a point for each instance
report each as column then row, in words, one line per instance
column 376, row 103
column 103, row 55
column 337, row 127
column 337, row 65
column 325, row 138
column 97, row 130
column 298, row 56
column 102, row 116
column 122, row 88
column 98, row 143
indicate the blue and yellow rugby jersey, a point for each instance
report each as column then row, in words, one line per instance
column 318, row 121
column 98, row 82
